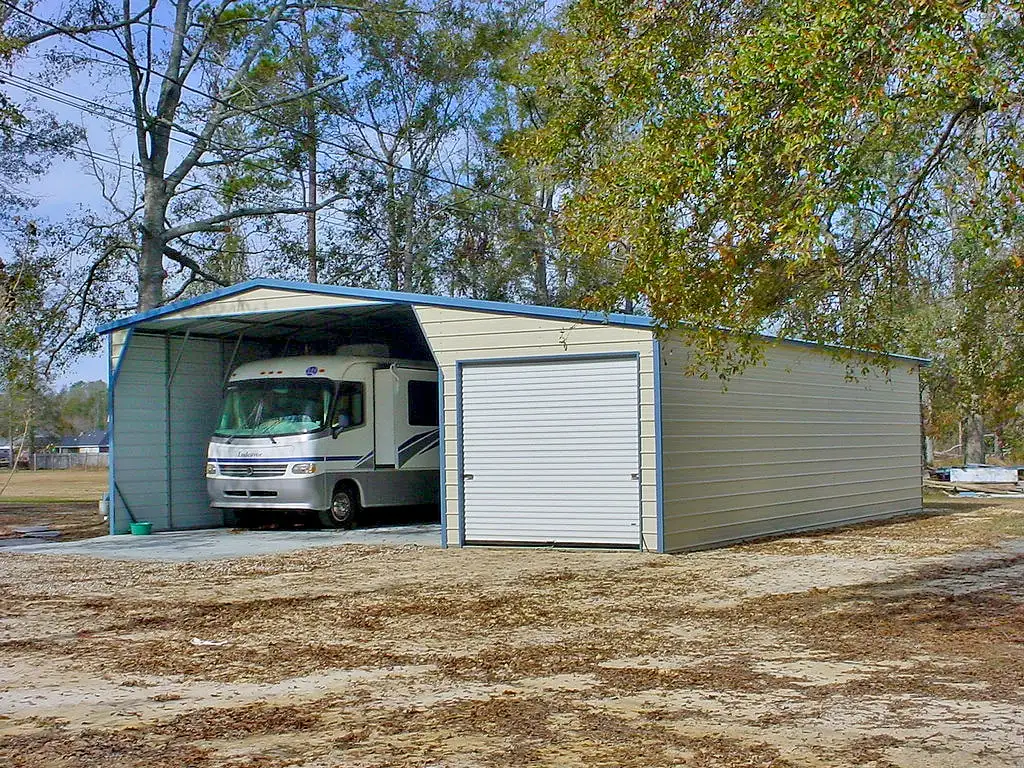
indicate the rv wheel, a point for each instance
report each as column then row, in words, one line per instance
column 343, row 511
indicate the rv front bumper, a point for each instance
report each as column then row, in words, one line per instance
column 289, row 492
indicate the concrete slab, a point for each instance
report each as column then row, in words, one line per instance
column 216, row 543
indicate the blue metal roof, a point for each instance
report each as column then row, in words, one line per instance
column 399, row 297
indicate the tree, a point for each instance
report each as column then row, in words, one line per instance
column 776, row 165
column 82, row 407
column 190, row 72
column 968, row 316
column 418, row 84
column 45, row 322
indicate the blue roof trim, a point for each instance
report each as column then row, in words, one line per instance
column 398, row 297
column 392, row 297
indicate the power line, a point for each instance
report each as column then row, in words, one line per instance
column 128, row 119
column 99, row 157
column 108, row 113
column 87, row 151
column 281, row 126
column 102, row 158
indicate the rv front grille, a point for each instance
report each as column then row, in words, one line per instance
column 253, row 470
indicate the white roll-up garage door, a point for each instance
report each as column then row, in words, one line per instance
column 550, row 452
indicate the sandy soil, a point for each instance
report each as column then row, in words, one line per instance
column 74, row 521
column 895, row 645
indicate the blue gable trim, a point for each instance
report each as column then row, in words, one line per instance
column 390, row 297
column 411, row 299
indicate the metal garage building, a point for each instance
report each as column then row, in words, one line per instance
column 557, row 426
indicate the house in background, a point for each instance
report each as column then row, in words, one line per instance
column 94, row 441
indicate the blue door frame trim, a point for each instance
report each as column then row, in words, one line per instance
column 659, row 459
column 460, row 462
column 441, row 453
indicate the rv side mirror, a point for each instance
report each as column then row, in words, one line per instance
column 336, row 430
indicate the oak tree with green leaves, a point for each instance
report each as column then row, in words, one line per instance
column 791, row 167
column 776, row 164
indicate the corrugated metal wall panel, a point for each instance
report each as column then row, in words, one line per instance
column 157, row 458
column 140, row 434
column 551, row 452
column 457, row 334
column 792, row 444
column 194, row 398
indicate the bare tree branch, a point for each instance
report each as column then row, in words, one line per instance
column 213, row 223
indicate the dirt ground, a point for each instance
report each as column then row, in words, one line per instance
column 891, row 645
column 65, row 500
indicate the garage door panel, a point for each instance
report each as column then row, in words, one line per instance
column 551, row 452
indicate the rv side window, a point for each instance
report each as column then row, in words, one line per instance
column 348, row 409
column 423, row 403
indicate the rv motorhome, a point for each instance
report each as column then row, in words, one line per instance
column 329, row 434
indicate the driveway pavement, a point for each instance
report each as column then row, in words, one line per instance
column 212, row 544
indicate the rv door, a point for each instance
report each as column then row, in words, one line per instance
column 385, row 385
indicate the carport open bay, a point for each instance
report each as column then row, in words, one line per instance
column 891, row 645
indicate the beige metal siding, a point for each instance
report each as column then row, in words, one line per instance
column 462, row 335
column 788, row 445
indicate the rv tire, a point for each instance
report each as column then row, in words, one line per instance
column 343, row 510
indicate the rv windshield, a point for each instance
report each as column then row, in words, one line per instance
column 278, row 407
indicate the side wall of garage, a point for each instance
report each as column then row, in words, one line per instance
column 164, row 408
column 791, row 444
column 197, row 368
column 460, row 335
column 138, row 432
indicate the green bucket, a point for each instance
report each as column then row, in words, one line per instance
column 141, row 529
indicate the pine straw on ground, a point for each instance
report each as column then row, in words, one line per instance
column 513, row 657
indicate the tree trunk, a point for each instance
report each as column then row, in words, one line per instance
column 151, row 260
column 311, row 255
column 974, row 439
column 540, row 254
column 311, row 150
column 540, row 277
column 391, row 203
column 409, row 249
column 927, row 444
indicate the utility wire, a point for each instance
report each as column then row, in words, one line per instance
column 99, row 157
column 128, row 119
column 281, row 126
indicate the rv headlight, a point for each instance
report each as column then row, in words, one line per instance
column 211, row 469
column 305, row 468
